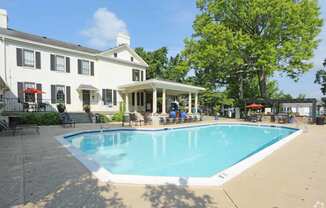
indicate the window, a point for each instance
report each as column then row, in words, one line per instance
column 60, row 93
column 28, row 58
column 85, row 67
column 132, row 59
column 135, row 75
column 60, row 63
column 29, row 97
column 107, row 97
column 115, row 55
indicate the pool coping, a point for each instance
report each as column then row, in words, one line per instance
column 218, row 179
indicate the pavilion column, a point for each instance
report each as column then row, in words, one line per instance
column 189, row 103
column 136, row 101
column 164, row 101
column 154, row 101
column 127, row 102
column 196, row 102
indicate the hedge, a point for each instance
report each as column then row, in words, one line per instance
column 41, row 118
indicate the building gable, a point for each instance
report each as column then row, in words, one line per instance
column 124, row 53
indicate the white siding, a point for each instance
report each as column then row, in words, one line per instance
column 107, row 75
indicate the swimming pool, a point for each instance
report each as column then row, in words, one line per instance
column 197, row 152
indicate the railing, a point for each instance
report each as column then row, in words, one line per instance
column 14, row 105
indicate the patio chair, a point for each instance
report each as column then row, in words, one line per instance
column 4, row 126
column 65, row 120
column 139, row 118
column 41, row 106
column 135, row 119
column 25, row 107
column 252, row 118
column 147, row 119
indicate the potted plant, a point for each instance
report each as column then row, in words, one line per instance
column 61, row 108
column 87, row 108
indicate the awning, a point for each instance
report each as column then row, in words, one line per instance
column 87, row 87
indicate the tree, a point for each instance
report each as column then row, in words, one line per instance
column 162, row 67
column 236, row 39
column 177, row 69
column 157, row 61
column 321, row 78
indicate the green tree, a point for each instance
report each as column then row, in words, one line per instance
column 177, row 69
column 162, row 67
column 321, row 78
column 157, row 61
column 238, row 39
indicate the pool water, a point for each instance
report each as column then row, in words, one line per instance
column 186, row 152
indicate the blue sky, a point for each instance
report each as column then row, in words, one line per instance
column 150, row 23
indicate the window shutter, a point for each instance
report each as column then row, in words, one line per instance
column 53, row 100
column 133, row 99
column 114, row 97
column 67, row 64
column 19, row 56
column 133, row 75
column 20, row 89
column 79, row 66
column 92, row 68
column 142, row 99
column 52, row 62
column 104, row 96
column 39, row 96
column 68, row 95
column 38, row 59
column 138, row 98
column 142, row 76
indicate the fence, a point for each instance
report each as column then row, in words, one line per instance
column 14, row 105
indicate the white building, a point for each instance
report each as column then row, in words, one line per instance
column 77, row 75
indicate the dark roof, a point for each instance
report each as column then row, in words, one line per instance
column 42, row 39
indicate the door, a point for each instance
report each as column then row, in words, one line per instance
column 86, row 97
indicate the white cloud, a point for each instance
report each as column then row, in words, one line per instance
column 103, row 30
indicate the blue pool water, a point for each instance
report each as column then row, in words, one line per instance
column 188, row 152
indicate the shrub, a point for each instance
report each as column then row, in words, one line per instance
column 87, row 108
column 61, row 108
column 42, row 119
column 117, row 116
column 103, row 118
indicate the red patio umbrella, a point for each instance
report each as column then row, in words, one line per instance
column 255, row 106
column 33, row 91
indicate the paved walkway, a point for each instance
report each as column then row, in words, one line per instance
column 35, row 171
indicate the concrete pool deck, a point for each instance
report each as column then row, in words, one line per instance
column 36, row 171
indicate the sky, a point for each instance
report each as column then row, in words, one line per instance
column 150, row 23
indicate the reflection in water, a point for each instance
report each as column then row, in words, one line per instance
column 91, row 143
column 200, row 151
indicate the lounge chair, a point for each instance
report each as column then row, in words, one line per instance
column 136, row 118
column 4, row 126
column 148, row 119
column 66, row 120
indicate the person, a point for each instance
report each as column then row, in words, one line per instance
column 173, row 114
